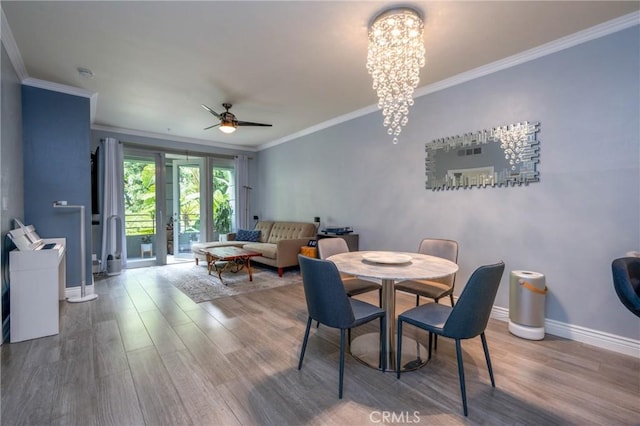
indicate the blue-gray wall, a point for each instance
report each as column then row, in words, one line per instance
column 57, row 166
column 569, row 226
column 11, row 191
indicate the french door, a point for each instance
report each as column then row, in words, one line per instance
column 172, row 201
column 144, row 221
column 189, row 214
column 223, row 197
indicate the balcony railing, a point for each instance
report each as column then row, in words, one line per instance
column 139, row 224
column 140, row 229
column 145, row 224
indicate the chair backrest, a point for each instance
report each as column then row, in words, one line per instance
column 470, row 315
column 330, row 246
column 626, row 281
column 327, row 301
column 446, row 249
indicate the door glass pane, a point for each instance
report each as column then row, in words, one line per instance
column 223, row 186
column 186, row 224
column 140, row 207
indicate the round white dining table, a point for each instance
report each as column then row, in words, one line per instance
column 390, row 266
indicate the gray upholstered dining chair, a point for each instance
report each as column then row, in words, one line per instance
column 626, row 281
column 328, row 304
column 436, row 288
column 352, row 285
column 467, row 319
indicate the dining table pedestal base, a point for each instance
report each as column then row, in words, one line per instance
column 366, row 349
column 390, row 267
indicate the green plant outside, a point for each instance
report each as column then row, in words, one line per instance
column 140, row 198
column 189, row 181
column 222, row 209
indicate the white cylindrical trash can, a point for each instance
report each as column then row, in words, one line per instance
column 527, row 295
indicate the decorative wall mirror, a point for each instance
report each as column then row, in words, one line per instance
column 501, row 156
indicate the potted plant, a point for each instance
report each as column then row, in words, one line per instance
column 146, row 246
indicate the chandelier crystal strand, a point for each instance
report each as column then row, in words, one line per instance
column 395, row 56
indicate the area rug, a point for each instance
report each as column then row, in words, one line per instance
column 194, row 281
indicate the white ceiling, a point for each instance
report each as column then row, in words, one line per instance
column 294, row 64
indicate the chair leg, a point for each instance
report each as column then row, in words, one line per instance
column 486, row 355
column 435, row 338
column 383, row 343
column 463, row 391
column 304, row 343
column 399, row 351
column 341, row 363
column 317, row 324
column 380, row 297
column 451, row 297
column 417, row 299
column 430, row 344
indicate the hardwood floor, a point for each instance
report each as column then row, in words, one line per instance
column 144, row 353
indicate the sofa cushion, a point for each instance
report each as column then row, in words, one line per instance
column 266, row 249
column 291, row 231
column 264, row 226
column 248, row 235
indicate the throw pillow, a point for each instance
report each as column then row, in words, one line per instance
column 248, row 235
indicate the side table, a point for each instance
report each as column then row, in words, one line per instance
column 309, row 251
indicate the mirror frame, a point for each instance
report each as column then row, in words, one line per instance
column 520, row 155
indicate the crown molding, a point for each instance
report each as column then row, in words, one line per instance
column 595, row 32
column 598, row 31
column 11, row 47
column 69, row 90
column 601, row 30
column 18, row 64
column 171, row 138
column 324, row 125
column 57, row 87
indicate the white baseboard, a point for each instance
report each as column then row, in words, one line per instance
column 600, row 339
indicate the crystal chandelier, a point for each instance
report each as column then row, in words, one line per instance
column 396, row 54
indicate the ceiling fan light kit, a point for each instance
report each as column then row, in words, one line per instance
column 227, row 126
column 228, row 121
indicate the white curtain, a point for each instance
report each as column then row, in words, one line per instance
column 113, row 233
column 242, row 191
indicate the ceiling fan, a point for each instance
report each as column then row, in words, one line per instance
column 228, row 122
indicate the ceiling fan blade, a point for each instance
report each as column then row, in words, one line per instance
column 211, row 127
column 249, row 123
column 218, row 116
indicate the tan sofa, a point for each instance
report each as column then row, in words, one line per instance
column 279, row 243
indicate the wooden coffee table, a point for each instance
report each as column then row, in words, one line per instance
column 231, row 259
